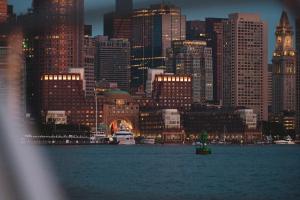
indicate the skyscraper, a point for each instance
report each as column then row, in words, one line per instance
column 193, row 58
column 89, row 50
column 284, row 68
column 214, row 33
column 124, row 7
column 298, row 75
column 113, row 61
column 195, row 30
column 3, row 11
column 60, row 26
column 118, row 24
column 245, row 63
column 154, row 29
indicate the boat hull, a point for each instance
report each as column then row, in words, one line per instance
column 126, row 142
column 284, row 142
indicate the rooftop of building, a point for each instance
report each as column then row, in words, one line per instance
column 116, row 92
column 284, row 19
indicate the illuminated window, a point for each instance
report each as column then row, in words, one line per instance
column 50, row 77
column 78, row 78
column 165, row 78
column 73, row 77
column 159, row 79
column 173, row 78
column 69, row 77
column 169, row 79
column 46, row 77
column 177, row 79
column 181, row 79
column 60, row 77
column 55, row 77
column 64, row 77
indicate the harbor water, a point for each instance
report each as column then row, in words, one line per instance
column 175, row 172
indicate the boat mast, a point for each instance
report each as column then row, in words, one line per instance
column 96, row 112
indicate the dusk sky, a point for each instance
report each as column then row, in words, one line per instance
column 269, row 10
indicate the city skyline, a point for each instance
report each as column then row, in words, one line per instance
column 94, row 11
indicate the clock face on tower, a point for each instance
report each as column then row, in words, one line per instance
column 279, row 39
column 288, row 41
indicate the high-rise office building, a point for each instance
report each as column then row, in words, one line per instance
column 124, row 7
column 113, row 61
column 214, row 33
column 89, row 50
column 245, row 63
column 118, row 24
column 195, row 30
column 3, row 11
column 193, row 58
column 154, row 29
column 298, row 76
column 60, row 26
column 284, row 68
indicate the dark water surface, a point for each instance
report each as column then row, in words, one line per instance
column 175, row 172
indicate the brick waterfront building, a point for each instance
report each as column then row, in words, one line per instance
column 173, row 91
column 64, row 93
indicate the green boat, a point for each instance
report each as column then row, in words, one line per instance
column 203, row 148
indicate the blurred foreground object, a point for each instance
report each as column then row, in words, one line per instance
column 24, row 173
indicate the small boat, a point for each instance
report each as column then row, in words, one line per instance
column 102, row 139
column 124, row 137
column 287, row 140
column 148, row 141
column 196, row 143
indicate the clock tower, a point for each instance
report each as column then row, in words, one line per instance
column 284, row 68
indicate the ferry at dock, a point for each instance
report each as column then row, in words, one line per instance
column 124, row 137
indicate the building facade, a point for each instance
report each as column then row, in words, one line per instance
column 3, row 11
column 60, row 34
column 220, row 123
column 270, row 87
column 214, row 33
column 298, row 76
column 120, row 110
column 194, row 58
column 284, row 68
column 118, row 24
column 162, row 124
column 195, row 30
column 89, row 50
column 113, row 62
column 173, row 91
column 153, row 30
column 245, row 63
column 150, row 79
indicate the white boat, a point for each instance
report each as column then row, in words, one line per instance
column 124, row 137
column 148, row 141
column 287, row 140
